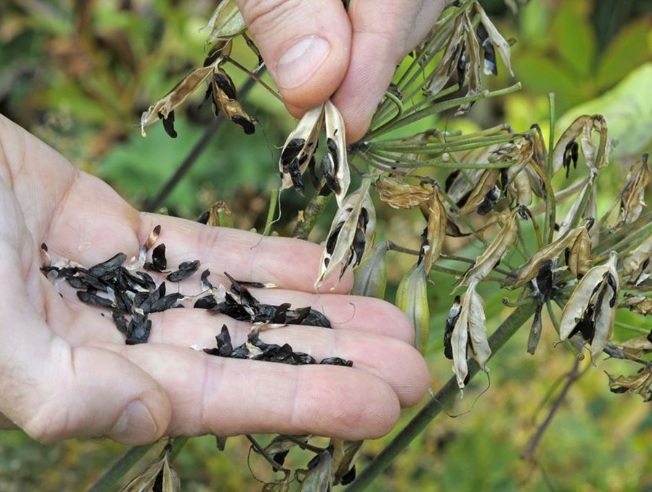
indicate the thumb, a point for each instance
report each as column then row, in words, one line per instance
column 305, row 45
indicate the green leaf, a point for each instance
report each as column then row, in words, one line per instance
column 631, row 48
column 576, row 42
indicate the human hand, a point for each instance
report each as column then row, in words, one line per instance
column 66, row 370
column 315, row 48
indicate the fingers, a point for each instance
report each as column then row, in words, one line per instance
column 383, row 33
column 305, row 45
column 227, row 396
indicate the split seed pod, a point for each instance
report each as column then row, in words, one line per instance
column 225, row 100
column 335, row 164
column 495, row 38
column 636, row 264
column 632, row 196
column 591, row 308
column 469, row 333
column 487, row 261
column 401, row 195
column 435, row 233
column 299, row 149
column 159, row 476
column 412, row 299
column 566, row 149
column 351, row 233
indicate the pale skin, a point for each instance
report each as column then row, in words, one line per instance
column 66, row 371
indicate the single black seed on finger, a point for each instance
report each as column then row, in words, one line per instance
column 186, row 269
column 337, row 361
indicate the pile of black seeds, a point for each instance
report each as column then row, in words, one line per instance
column 132, row 294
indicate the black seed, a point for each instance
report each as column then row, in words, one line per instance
column 108, row 267
column 348, row 477
column 203, row 218
column 93, row 299
column 291, row 151
column 332, row 150
column 490, row 200
column 159, row 261
column 337, row 361
column 138, row 329
column 225, row 84
column 120, row 321
column 44, row 247
column 206, row 302
column 186, row 269
column 244, row 123
column 168, row 124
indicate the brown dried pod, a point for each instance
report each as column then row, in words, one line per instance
column 224, row 96
column 591, row 308
column 565, row 151
column 495, row 38
column 479, row 195
column 157, row 477
column 637, row 303
column 225, row 23
column 633, row 194
column 435, row 233
column 401, row 195
column 636, row 265
column 335, row 165
column 639, row 383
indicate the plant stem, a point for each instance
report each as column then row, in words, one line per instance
column 422, row 419
column 273, row 201
column 310, row 215
column 109, row 480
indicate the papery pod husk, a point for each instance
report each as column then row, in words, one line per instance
column 477, row 328
column 579, row 257
column 157, row 477
column 487, row 261
column 282, row 443
column 435, row 231
column 575, row 214
column 337, row 152
column 499, row 42
column 638, row 304
column 583, row 127
column 345, row 454
column 520, row 186
column 638, row 347
column 401, row 195
column 218, row 215
column 412, row 299
column 450, row 60
column 225, row 101
column 590, row 293
column 320, row 478
column 639, row 383
column 226, row 22
column 637, row 261
column 300, row 146
column 551, row 251
column 347, row 220
column 370, row 278
column 486, row 182
column 179, row 93
column 632, row 198
column 471, row 68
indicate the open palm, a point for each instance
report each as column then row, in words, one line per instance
column 66, row 370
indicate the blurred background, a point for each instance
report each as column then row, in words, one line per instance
column 79, row 73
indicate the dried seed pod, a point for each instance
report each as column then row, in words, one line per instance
column 435, row 233
column 639, row 383
column 566, row 149
column 633, row 194
column 401, row 195
column 469, row 333
column 483, row 197
column 218, row 215
column 179, row 93
column 638, row 346
column 489, row 56
column 157, row 477
column 639, row 304
column 520, row 185
column 495, row 38
column 636, row 264
column 371, row 275
column 351, row 233
column 591, row 308
column 451, row 321
column 335, row 165
column 222, row 92
column 494, row 253
column 412, row 299
column 449, row 62
column 225, row 23
column 299, row 149
column 579, row 254
column 319, row 476
column 345, row 454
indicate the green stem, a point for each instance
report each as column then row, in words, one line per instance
column 310, row 215
column 420, row 421
column 273, row 202
column 108, row 482
column 549, row 224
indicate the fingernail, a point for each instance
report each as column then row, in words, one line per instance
column 300, row 61
column 135, row 425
